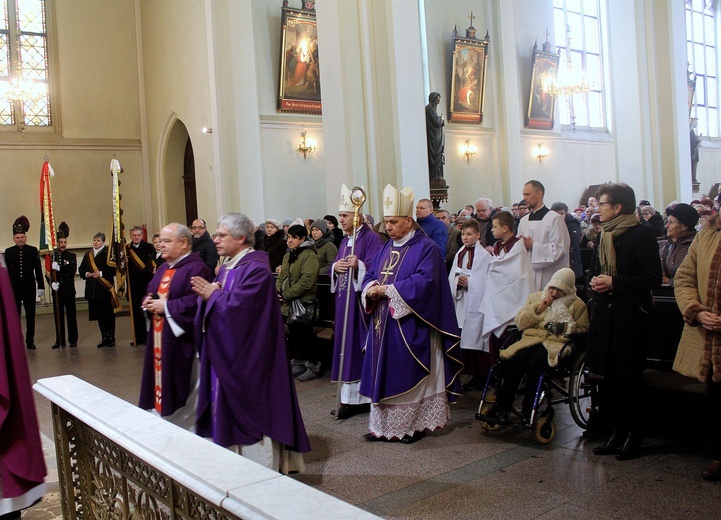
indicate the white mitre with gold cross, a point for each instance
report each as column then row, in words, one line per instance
column 398, row 203
column 345, row 202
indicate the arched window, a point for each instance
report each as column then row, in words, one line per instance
column 24, row 85
column 702, row 58
column 578, row 36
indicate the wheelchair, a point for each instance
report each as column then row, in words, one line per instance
column 567, row 383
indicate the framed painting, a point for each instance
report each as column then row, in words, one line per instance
column 299, row 78
column 468, row 81
column 541, row 103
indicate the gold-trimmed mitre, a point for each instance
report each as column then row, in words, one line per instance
column 398, row 203
column 345, row 201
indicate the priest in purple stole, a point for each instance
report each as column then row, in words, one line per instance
column 169, row 385
column 367, row 244
column 411, row 363
column 247, row 398
column 22, row 466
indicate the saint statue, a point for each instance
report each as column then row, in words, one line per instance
column 434, row 137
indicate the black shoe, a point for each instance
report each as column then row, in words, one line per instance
column 410, row 439
column 372, row 438
column 631, row 449
column 111, row 342
column 496, row 416
column 136, row 343
column 102, row 344
column 30, row 346
column 612, row 445
column 473, row 383
column 73, row 345
column 55, row 346
column 349, row 410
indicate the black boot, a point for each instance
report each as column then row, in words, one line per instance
column 614, row 442
column 631, row 449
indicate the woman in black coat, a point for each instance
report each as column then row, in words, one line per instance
column 626, row 268
column 274, row 243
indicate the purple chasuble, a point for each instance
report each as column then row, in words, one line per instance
column 367, row 246
column 398, row 352
column 178, row 353
column 22, row 466
column 242, row 343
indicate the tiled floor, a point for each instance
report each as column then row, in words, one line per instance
column 455, row 473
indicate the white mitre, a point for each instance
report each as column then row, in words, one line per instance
column 398, row 203
column 345, row 202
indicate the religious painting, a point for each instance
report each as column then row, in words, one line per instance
column 299, row 79
column 468, row 81
column 541, row 103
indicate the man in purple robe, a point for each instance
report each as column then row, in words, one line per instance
column 411, row 363
column 247, row 398
column 367, row 244
column 22, row 466
column 170, row 373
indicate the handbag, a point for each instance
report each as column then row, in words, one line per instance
column 301, row 312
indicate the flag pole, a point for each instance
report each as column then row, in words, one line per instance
column 48, row 243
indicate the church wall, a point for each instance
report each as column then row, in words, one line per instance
column 98, row 115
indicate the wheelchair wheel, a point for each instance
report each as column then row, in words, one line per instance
column 545, row 430
column 579, row 392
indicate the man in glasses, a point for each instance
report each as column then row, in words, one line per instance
column 203, row 244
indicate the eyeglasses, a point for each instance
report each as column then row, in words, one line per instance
column 220, row 235
column 197, row 227
column 603, row 203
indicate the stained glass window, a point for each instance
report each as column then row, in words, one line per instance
column 579, row 20
column 702, row 57
column 24, row 64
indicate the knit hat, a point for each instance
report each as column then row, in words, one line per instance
column 685, row 214
column 276, row 223
column 320, row 224
column 565, row 280
column 287, row 221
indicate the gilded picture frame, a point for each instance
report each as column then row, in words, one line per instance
column 299, row 79
column 544, row 73
column 468, row 79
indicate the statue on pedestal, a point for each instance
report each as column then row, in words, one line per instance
column 434, row 137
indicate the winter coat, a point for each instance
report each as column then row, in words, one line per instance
column 326, row 251
column 673, row 253
column 276, row 246
column 691, row 289
column 299, row 279
column 533, row 325
column 574, row 253
column 620, row 319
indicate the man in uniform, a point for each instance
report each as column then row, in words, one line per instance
column 411, row 363
column 367, row 244
column 65, row 265
column 140, row 256
column 26, row 277
column 170, row 372
column 545, row 236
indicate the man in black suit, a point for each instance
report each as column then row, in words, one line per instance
column 65, row 265
column 26, row 277
column 99, row 289
column 140, row 256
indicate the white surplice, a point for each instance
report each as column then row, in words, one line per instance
column 551, row 245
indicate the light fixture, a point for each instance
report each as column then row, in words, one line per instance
column 469, row 151
column 17, row 88
column 540, row 152
column 207, row 130
column 306, row 145
column 570, row 81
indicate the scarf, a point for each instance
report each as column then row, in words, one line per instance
column 712, row 343
column 612, row 229
column 471, row 250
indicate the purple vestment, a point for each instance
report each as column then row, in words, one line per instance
column 367, row 246
column 242, row 343
column 398, row 352
column 22, row 466
column 178, row 353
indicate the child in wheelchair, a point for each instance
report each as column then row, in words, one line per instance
column 546, row 321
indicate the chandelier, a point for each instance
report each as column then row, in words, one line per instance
column 18, row 89
column 570, row 81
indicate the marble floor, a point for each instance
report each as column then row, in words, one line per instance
column 455, row 473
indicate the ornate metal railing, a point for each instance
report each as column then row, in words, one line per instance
column 99, row 479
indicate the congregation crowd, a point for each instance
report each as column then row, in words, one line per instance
column 421, row 297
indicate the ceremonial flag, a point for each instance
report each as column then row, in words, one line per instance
column 116, row 251
column 48, row 241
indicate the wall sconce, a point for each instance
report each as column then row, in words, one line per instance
column 306, row 145
column 540, row 152
column 207, row 130
column 469, row 151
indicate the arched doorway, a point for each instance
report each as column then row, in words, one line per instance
column 181, row 203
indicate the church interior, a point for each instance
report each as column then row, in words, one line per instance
column 185, row 94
